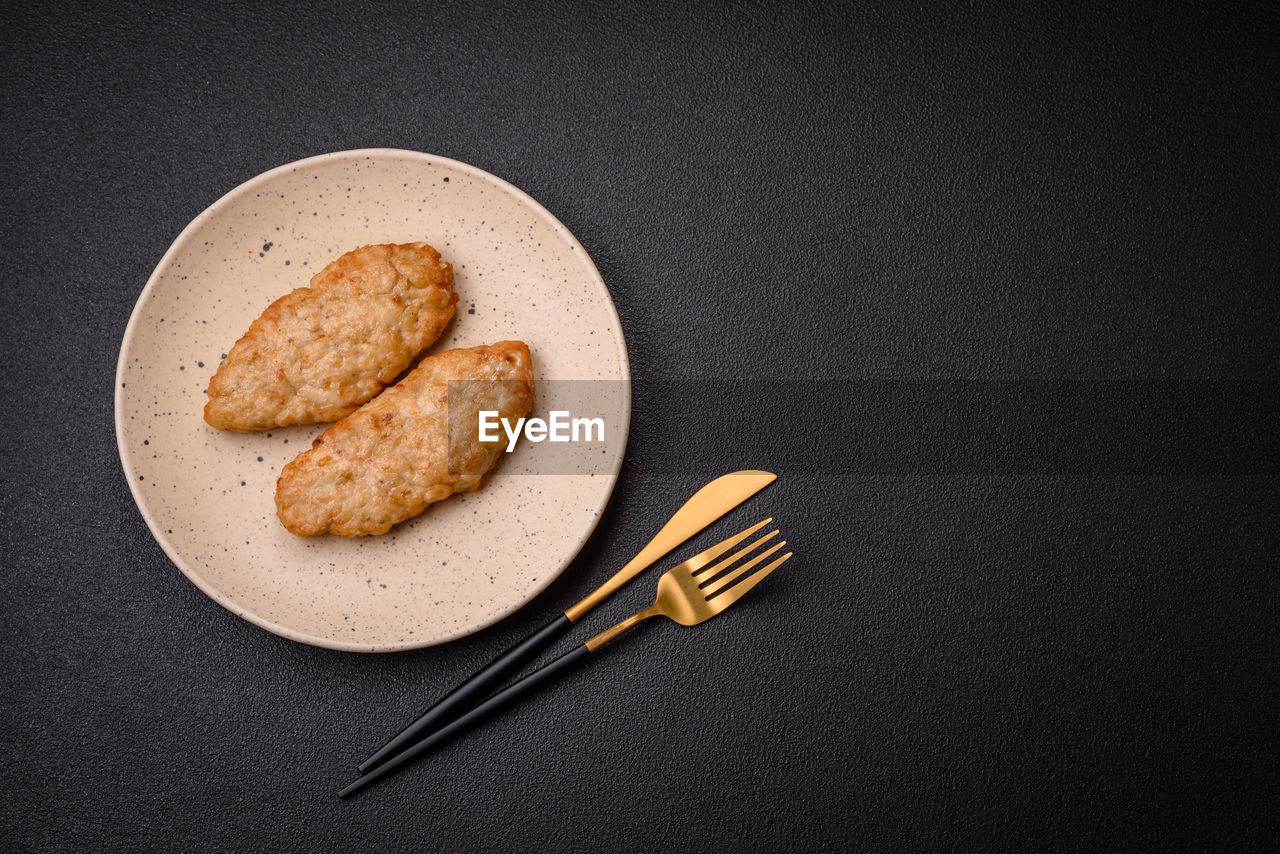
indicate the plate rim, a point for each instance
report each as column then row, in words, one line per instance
column 134, row 323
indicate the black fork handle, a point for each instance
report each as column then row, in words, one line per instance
column 493, row 705
column 479, row 685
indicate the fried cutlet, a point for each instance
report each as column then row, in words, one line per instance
column 416, row 443
column 320, row 352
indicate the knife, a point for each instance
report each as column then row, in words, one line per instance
column 706, row 506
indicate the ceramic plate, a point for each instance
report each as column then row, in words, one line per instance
column 207, row 496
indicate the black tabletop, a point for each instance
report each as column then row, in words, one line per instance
column 993, row 290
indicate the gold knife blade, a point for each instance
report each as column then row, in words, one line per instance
column 706, row 506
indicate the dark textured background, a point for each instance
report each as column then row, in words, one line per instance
column 995, row 292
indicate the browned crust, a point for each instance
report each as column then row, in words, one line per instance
column 388, row 461
column 320, row 352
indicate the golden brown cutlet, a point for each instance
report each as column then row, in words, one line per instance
column 320, row 352
column 386, row 462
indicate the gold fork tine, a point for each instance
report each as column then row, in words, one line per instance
column 696, row 563
column 720, row 584
column 736, row 593
column 709, row 574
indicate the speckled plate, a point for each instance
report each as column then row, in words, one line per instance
column 208, row 496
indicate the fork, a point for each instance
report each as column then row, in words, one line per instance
column 688, row 593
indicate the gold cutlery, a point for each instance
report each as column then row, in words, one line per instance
column 689, row 593
column 706, row 506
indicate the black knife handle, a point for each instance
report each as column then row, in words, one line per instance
column 492, row 706
column 470, row 692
